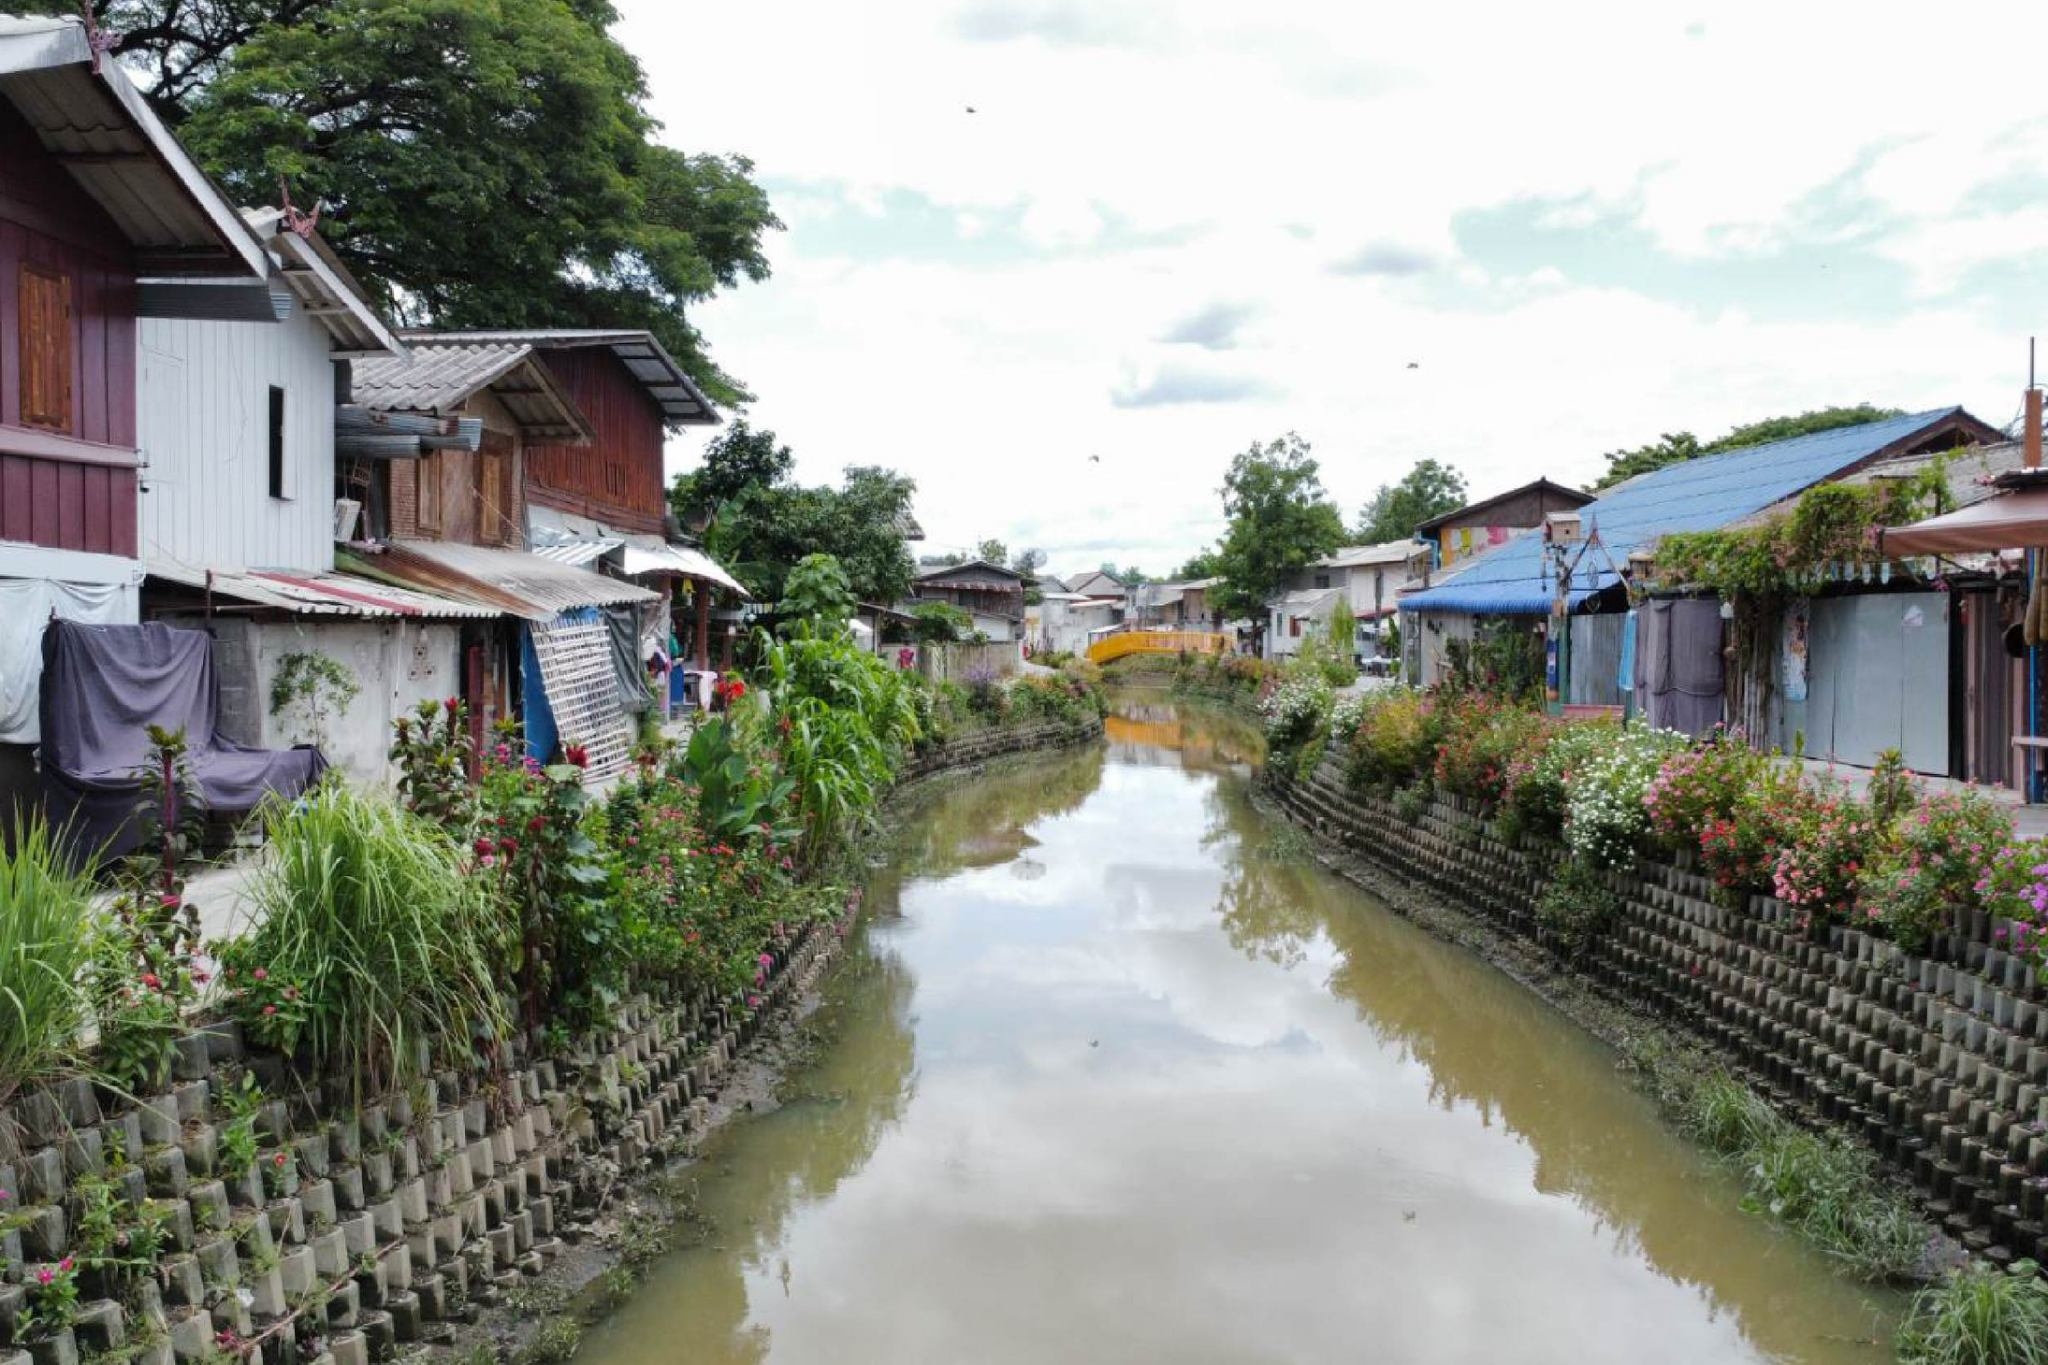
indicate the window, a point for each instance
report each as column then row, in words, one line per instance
column 1294, row 626
column 429, row 476
column 277, row 488
column 45, row 347
column 1322, row 580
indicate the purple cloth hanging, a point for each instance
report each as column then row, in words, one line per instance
column 102, row 687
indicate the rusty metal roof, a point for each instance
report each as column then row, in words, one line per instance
column 510, row 581
column 682, row 402
column 441, row 377
column 314, row 592
column 98, row 127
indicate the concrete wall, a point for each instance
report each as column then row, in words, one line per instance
column 398, row 665
column 943, row 663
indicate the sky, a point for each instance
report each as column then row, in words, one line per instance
column 1060, row 260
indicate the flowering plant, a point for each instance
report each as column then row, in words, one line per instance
column 1933, row 865
column 1395, row 741
column 272, row 1007
column 1539, row 779
column 1729, row 802
column 52, row 1301
column 1827, row 847
column 1605, row 818
column 2015, row 888
column 1295, row 710
column 1483, row 738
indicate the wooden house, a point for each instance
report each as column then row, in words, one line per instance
column 104, row 221
column 992, row 594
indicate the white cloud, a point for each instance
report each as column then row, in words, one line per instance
column 1247, row 151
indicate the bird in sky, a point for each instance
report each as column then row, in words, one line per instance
column 1094, row 459
column 972, row 110
column 1414, row 364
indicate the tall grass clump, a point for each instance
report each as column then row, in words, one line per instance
column 1822, row 1187
column 1979, row 1316
column 46, row 940
column 375, row 939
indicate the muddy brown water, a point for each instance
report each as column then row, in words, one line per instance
column 1114, row 1072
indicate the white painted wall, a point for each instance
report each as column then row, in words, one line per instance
column 203, row 415
column 398, row 665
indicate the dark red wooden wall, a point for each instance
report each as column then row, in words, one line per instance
column 618, row 478
column 45, row 219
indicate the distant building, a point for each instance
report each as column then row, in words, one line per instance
column 991, row 593
column 1479, row 526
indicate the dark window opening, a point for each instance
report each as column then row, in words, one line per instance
column 277, row 488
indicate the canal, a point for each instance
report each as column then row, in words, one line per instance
column 1114, row 1072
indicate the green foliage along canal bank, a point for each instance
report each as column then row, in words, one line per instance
column 1869, row 964
column 464, row 1017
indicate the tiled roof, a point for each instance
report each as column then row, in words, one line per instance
column 440, row 378
column 682, row 402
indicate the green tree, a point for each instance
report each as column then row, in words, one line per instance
column 482, row 163
column 1280, row 519
column 1028, row 562
column 1428, row 490
column 767, row 529
column 1676, row 447
column 816, row 592
column 1204, row 563
column 1130, row 577
column 992, row 551
column 738, row 458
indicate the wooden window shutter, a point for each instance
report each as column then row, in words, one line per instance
column 494, row 512
column 429, row 466
column 45, row 355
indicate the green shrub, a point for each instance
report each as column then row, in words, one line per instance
column 388, row 934
column 1933, row 866
column 1577, row 905
column 1483, row 740
column 1605, row 818
column 1395, row 743
column 1979, row 1316
column 46, row 942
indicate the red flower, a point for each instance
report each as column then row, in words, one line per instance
column 453, row 705
column 260, row 974
column 576, row 754
column 278, row 1161
column 485, row 848
column 269, row 1010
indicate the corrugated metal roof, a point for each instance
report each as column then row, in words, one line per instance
column 443, row 378
column 98, row 125
column 511, row 581
column 581, row 553
column 329, row 290
column 682, row 402
column 1387, row 552
column 1699, row 495
column 660, row 558
column 318, row 593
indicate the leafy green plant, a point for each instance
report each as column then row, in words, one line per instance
column 393, row 938
column 1931, row 869
column 1578, row 905
column 816, row 595
column 1979, row 1315
column 737, row 790
column 308, row 687
column 46, row 944
column 52, row 1301
column 237, row 1134
column 434, row 755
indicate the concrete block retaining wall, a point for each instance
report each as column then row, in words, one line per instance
column 1939, row 1062
column 387, row 1217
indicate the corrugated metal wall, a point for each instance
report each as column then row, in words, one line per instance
column 1878, row 678
column 205, row 430
column 1596, row 661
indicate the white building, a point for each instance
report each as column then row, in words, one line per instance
column 1368, row 577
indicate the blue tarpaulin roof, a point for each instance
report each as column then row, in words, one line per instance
column 1697, row 495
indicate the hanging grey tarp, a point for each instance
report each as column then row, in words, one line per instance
column 1679, row 665
column 103, row 686
column 628, row 659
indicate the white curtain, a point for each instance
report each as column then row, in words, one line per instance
column 26, row 605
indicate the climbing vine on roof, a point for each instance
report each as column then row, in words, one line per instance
column 1830, row 531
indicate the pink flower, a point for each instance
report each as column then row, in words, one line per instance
column 269, row 1010
column 44, row 1276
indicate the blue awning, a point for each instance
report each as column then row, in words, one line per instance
column 1529, row 597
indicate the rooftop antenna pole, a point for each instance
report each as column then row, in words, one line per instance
column 2031, row 455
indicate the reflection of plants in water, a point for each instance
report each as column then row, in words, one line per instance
column 1148, row 728
column 985, row 821
column 854, row 1085
column 1266, row 901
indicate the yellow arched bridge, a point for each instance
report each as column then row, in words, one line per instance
column 1128, row 642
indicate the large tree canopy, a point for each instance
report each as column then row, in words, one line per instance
column 1675, row 447
column 1428, row 490
column 1280, row 519
column 484, row 163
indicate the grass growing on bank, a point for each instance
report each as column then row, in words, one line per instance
column 45, row 942
column 1980, row 1316
column 1820, row 1186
